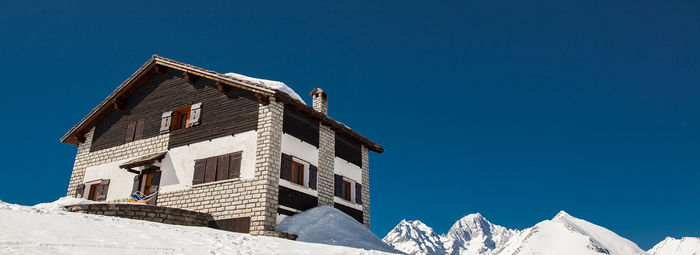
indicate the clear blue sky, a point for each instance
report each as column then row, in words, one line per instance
column 511, row 109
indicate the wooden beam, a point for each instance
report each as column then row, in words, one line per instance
column 223, row 88
column 262, row 99
column 80, row 138
column 160, row 69
column 190, row 78
column 118, row 104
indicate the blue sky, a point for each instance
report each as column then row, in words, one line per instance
column 511, row 109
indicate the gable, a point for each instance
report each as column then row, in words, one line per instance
column 221, row 114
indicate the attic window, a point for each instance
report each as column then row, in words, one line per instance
column 181, row 118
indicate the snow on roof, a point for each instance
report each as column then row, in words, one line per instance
column 278, row 85
column 327, row 225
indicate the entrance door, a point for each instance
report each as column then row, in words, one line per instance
column 148, row 178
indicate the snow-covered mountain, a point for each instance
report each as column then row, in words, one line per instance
column 564, row 234
column 414, row 237
column 472, row 234
column 672, row 246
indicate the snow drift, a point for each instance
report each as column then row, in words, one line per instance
column 327, row 225
column 278, row 85
column 50, row 229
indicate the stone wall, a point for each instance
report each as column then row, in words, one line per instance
column 84, row 158
column 365, row 186
column 326, row 161
column 145, row 212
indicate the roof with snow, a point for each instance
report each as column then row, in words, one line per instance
column 262, row 87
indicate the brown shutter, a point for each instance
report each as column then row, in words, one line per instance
column 210, row 174
column 130, row 128
column 199, row 166
column 137, row 184
column 313, row 172
column 358, row 193
column 155, row 186
column 165, row 122
column 286, row 167
column 80, row 190
column 235, row 165
column 338, row 180
column 104, row 187
column 222, row 169
column 195, row 112
column 138, row 134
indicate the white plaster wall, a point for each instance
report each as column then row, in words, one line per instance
column 120, row 181
column 347, row 169
column 178, row 164
column 300, row 149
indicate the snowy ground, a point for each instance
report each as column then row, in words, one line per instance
column 49, row 229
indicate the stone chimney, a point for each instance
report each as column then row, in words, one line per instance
column 320, row 100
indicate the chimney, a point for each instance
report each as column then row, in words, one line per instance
column 320, row 100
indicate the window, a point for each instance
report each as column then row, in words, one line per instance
column 94, row 190
column 219, row 168
column 181, row 118
column 297, row 173
column 347, row 189
column 147, row 183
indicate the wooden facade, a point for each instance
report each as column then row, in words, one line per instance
column 221, row 114
column 348, row 149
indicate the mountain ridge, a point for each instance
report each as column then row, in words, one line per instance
column 563, row 234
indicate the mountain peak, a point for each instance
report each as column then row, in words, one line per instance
column 561, row 215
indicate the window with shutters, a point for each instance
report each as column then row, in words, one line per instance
column 347, row 191
column 181, row 118
column 297, row 173
column 94, row 190
column 218, row 168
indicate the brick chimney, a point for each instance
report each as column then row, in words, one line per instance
column 320, row 100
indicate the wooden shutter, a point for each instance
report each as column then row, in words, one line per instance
column 137, row 184
column 80, row 190
column 138, row 134
column 222, row 167
column 235, row 165
column 210, row 173
column 286, row 168
column 130, row 128
column 165, row 122
column 195, row 112
column 338, row 180
column 104, row 187
column 199, row 170
column 358, row 193
column 155, row 186
column 313, row 172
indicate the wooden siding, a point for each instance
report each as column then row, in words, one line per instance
column 221, row 115
column 240, row 225
column 297, row 200
column 348, row 149
column 300, row 126
column 354, row 213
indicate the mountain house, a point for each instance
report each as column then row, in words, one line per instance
column 247, row 151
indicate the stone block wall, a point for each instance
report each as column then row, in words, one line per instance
column 145, row 212
column 326, row 164
column 84, row 158
column 365, row 186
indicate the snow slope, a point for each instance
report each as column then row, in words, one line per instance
column 672, row 246
column 327, row 225
column 415, row 238
column 566, row 234
column 278, row 85
column 49, row 229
